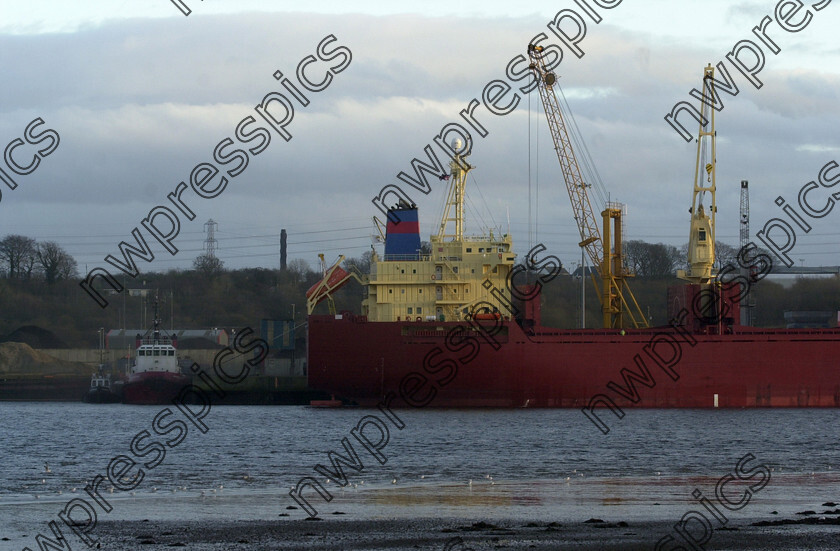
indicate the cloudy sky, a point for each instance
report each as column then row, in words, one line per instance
column 141, row 94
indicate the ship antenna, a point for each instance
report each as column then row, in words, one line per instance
column 156, row 333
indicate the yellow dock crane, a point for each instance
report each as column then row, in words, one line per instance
column 701, row 239
column 618, row 305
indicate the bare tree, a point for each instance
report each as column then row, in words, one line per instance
column 651, row 259
column 725, row 255
column 361, row 264
column 54, row 262
column 299, row 267
column 18, row 252
column 208, row 265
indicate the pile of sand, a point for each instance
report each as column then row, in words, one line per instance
column 21, row 360
column 34, row 336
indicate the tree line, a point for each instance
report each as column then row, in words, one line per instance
column 23, row 259
column 658, row 260
column 40, row 287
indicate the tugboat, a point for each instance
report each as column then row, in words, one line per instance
column 155, row 378
column 102, row 390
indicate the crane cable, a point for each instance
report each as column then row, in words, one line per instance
column 593, row 177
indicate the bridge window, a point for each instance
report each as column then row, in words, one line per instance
column 410, row 311
column 702, row 235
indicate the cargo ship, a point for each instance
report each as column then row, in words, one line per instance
column 155, row 378
column 459, row 325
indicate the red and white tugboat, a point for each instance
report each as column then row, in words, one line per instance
column 155, row 377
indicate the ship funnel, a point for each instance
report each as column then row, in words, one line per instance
column 402, row 234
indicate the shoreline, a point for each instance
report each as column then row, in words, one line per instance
column 447, row 533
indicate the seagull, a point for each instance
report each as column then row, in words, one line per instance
column 47, row 467
column 422, row 476
column 394, row 481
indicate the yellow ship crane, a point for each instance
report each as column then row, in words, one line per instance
column 701, row 239
column 618, row 305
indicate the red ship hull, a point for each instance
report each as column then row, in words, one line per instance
column 361, row 362
column 153, row 387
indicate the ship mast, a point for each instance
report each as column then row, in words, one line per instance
column 156, row 329
column 453, row 211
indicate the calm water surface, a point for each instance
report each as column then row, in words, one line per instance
column 546, row 464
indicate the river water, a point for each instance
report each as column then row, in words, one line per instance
column 477, row 464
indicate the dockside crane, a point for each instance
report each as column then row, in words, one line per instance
column 747, row 303
column 618, row 305
column 701, row 239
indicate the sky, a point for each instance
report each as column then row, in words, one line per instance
column 141, row 94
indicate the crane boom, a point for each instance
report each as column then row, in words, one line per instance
column 701, row 238
column 590, row 236
column 617, row 301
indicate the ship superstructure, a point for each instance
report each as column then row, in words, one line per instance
column 447, row 279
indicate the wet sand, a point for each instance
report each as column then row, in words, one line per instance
column 451, row 534
column 586, row 514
